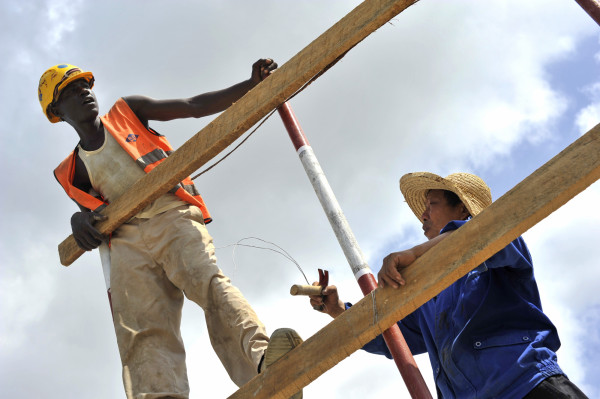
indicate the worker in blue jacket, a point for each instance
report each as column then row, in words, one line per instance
column 486, row 334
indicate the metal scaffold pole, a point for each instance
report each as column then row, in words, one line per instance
column 393, row 337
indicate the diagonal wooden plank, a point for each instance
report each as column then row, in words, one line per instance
column 592, row 7
column 231, row 124
column 536, row 197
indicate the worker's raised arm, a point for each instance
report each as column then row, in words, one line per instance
column 205, row 104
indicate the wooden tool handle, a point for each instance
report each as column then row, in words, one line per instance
column 298, row 289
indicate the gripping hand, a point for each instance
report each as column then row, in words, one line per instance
column 84, row 232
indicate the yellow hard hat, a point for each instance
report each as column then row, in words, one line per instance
column 54, row 80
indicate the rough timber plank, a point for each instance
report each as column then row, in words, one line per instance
column 592, row 7
column 231, row 124
column 536, row 197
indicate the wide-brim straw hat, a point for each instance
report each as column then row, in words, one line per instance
column 471, row 189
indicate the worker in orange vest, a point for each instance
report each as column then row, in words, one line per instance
column 165, row 251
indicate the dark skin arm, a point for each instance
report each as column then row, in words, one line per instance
column 205, row 104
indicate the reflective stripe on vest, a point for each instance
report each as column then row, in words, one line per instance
column 150, row 158
column 190, row 188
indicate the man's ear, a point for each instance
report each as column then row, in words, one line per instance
column 55, row 111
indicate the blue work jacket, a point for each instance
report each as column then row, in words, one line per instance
column 486, row 334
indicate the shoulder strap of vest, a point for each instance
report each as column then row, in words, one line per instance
column 65, row 173
column 145, row 146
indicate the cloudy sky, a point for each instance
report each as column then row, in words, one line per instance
column 495, row 88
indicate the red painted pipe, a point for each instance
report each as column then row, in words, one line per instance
column 393, row 337
column 399, row 349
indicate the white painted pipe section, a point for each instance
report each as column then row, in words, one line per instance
column 105, row 260
column 334, row 213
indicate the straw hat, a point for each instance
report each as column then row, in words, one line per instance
column 472, row 191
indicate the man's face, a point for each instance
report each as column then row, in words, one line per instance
column 77, row 102
column 438, row 213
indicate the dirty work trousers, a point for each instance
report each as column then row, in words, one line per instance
column 154, row 262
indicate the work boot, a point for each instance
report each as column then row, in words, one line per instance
column 282, row 341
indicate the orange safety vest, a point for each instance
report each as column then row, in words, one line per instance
column 147, row 147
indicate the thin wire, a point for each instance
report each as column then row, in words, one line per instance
column 304, row 86
column 237, row 146
column 283, row 252
column 287, row 255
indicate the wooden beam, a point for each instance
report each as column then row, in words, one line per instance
column 592, row 7
column 231, row 124
column 536, row 197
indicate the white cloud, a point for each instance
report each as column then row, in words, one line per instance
column 62, row 20
column 23, row 295
column 560, row 245
column 589, row 116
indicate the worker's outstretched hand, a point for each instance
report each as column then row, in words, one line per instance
column 84, row 232
column 389, row 275
column 328, row 302
column 262, row 68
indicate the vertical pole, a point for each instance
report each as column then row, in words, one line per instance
column 104, row 250
column 393, row 337
column 592, row 7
